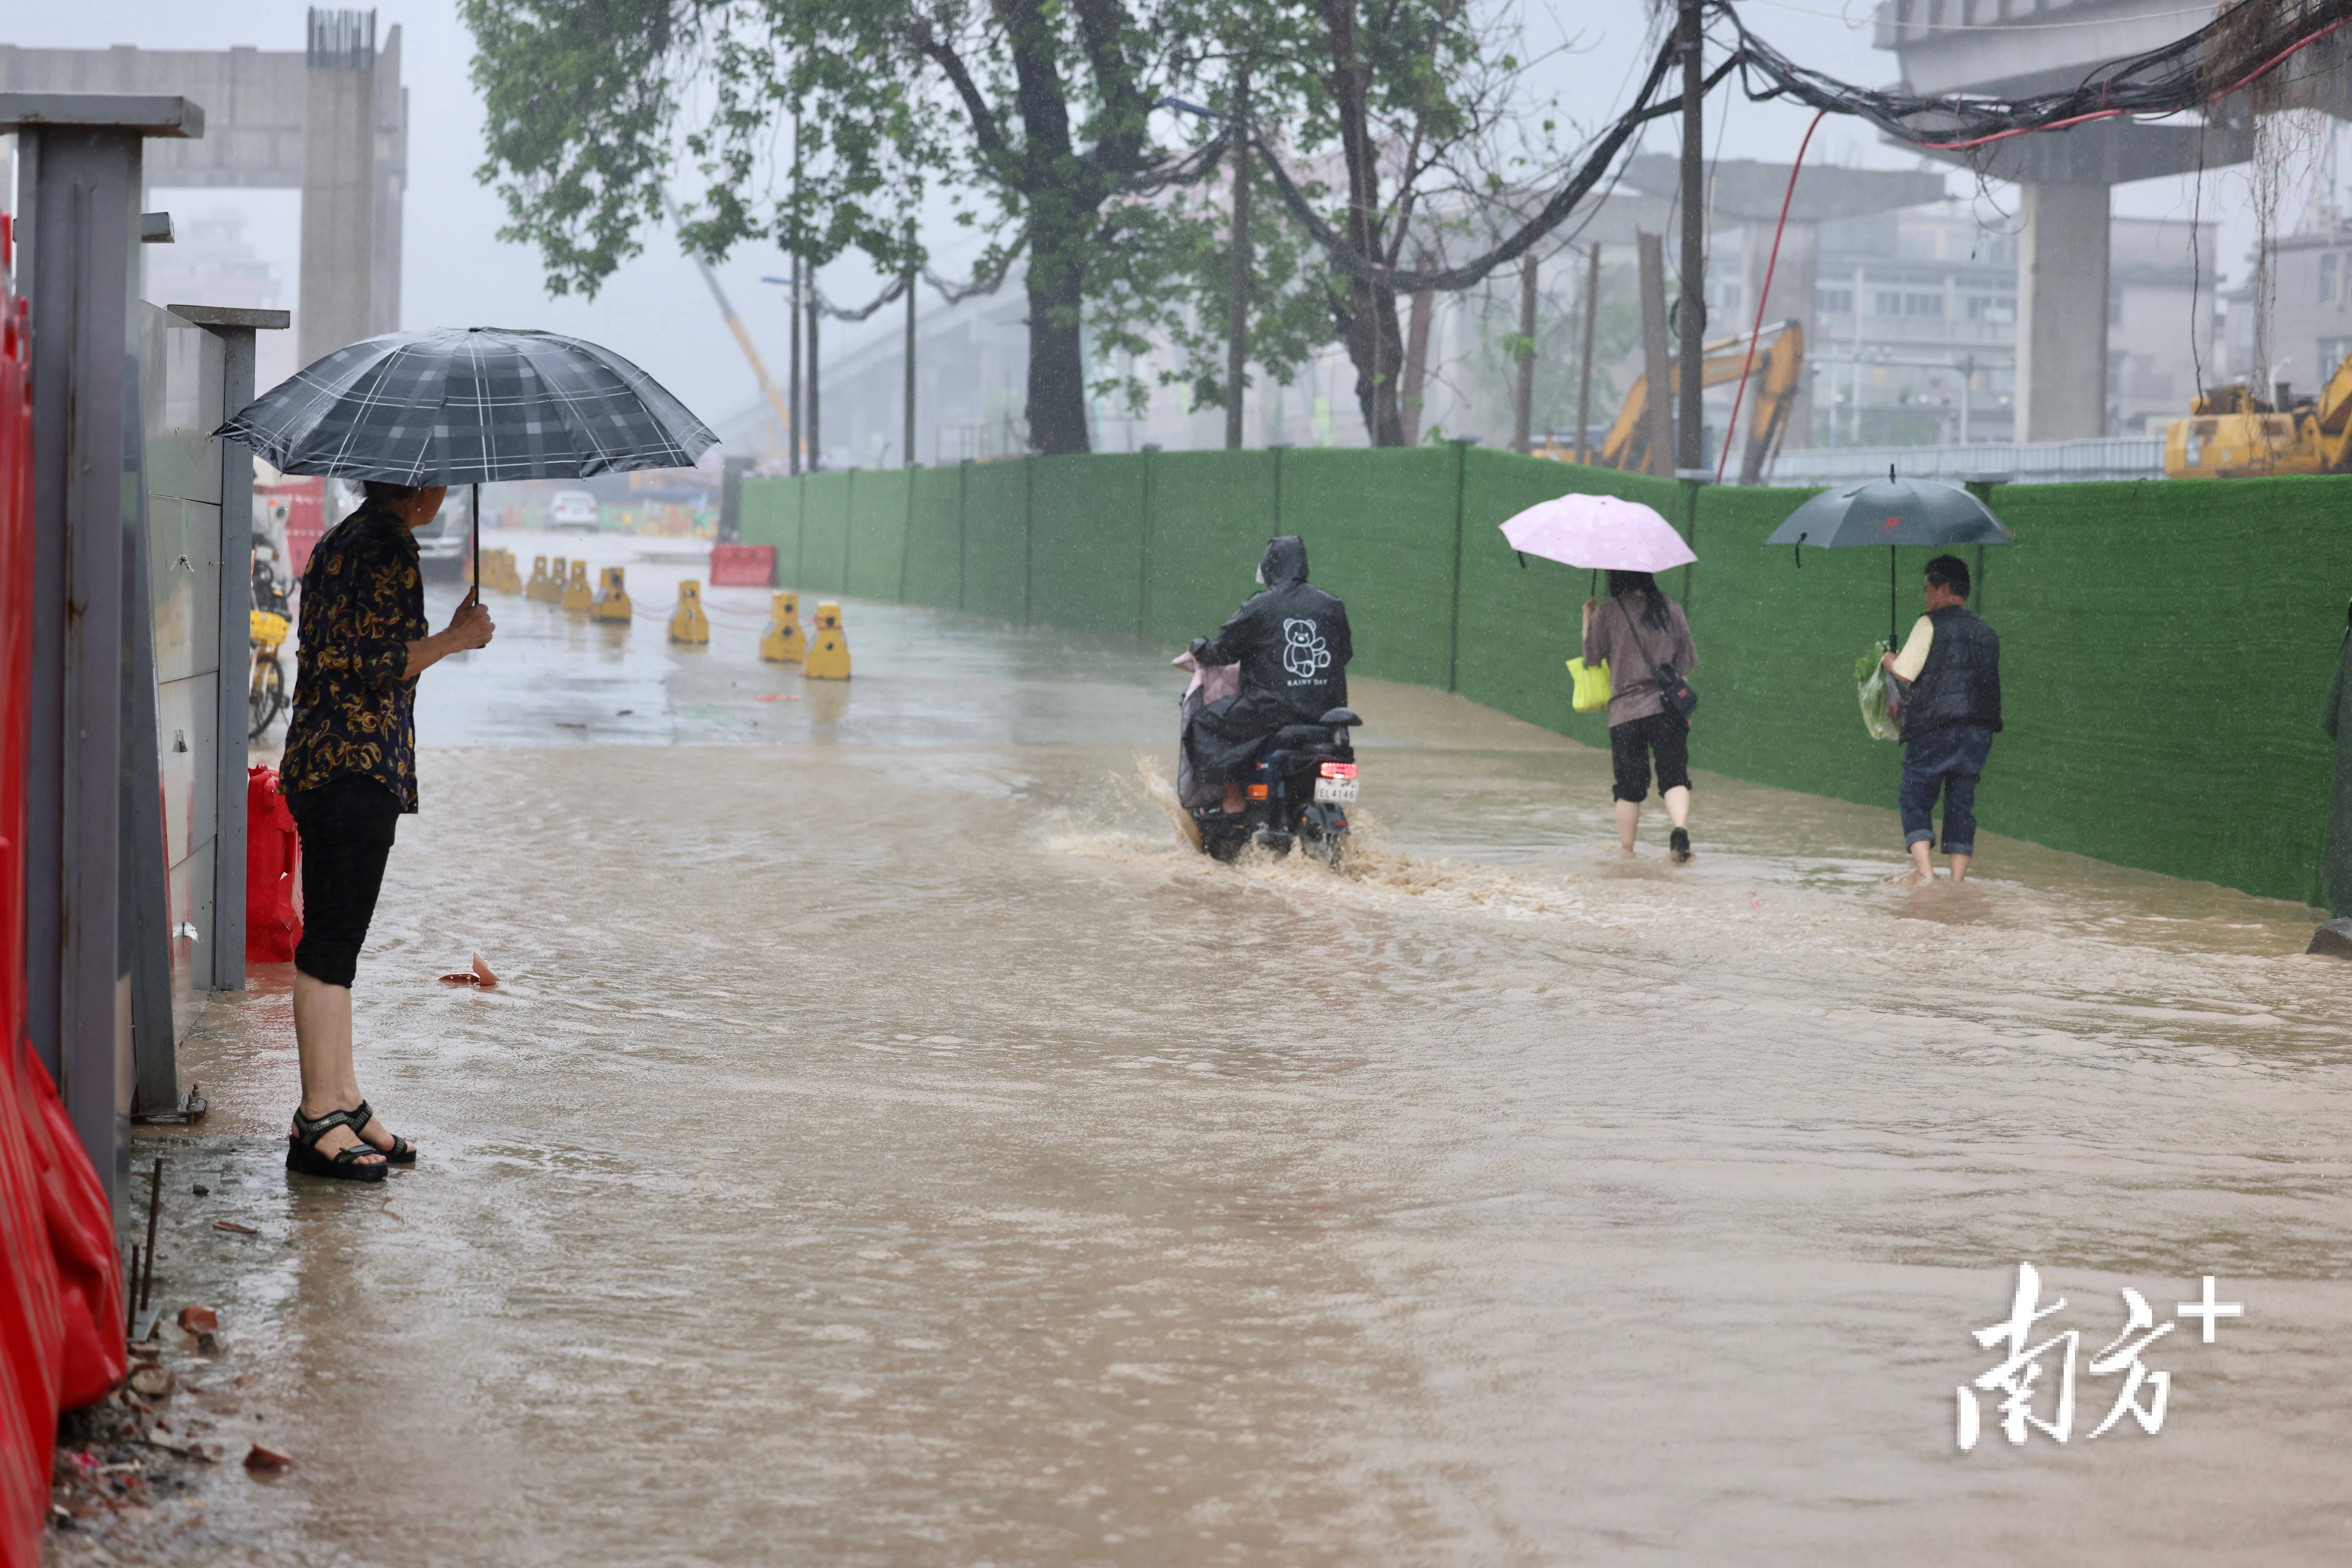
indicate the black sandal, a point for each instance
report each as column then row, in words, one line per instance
column 303, row 1158
column 401, row 1153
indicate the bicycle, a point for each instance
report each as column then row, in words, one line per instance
column 267, row 627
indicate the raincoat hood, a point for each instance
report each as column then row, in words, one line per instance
column 1284, row 562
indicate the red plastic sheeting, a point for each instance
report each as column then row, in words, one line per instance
column 61, row 1340
column 273, row 872
column 742, row 565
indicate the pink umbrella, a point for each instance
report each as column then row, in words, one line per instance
column 1600, row 531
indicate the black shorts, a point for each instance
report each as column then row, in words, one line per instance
column 347, row 826
column 1632, row 744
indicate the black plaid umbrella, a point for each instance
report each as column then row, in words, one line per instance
column 469, row 407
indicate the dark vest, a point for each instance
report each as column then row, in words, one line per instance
column 1961, row 682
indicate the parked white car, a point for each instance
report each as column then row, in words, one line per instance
column 574, row 511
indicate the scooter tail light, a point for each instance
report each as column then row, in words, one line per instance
column 1257, row 791
column 1338, row 770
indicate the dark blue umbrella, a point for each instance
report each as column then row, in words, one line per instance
column 1892, row 512
column 469, row 407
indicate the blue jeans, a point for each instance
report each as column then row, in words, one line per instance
column 1947, row 760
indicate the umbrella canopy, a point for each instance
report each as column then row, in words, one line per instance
column 1892, row 511
column 471, row 405
column 1598, row 531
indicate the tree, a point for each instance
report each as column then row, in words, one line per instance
column 1425, row 105
column 1042, row 108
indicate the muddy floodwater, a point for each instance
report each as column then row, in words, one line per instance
column 891, row 1146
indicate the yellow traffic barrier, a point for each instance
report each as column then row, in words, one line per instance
column 613, row 599
column 828, row 655
column 576, row 596
column 688, row 624
column 537, row 588
column 499, row 573
column 783, row 642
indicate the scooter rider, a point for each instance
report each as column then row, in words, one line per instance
column 1292, row 644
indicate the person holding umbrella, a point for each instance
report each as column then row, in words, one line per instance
column 349, row 774
column 1644, row 637
column 1951, row 657
column 407, row 413
column 1951, row 662
column 1646, row 640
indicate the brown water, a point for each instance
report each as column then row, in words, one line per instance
column 891, row 1147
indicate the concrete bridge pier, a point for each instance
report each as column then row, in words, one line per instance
column 2062, row 310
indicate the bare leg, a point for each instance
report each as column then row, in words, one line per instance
column 1233, row 799
column 322, row 1040
column 1920, row 853
column 1679, row 806
column 1960, row 867
column 1629, row 818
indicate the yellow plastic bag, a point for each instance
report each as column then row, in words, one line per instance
column 1592, row 684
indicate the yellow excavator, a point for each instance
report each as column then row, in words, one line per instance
column 2230, row 434
column 1773, row 383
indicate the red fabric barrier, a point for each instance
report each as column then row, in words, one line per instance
column 742, row 565
column 273, row 872
column 61, row 1339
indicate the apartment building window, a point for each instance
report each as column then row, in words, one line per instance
column 1991, row 306
column 1837, row 302
column 2332, row 352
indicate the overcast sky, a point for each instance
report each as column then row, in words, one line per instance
column 657, row 310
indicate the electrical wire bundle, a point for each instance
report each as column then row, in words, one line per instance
column 2239, row 46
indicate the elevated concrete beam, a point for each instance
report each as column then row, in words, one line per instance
column 342, row 141
column 2107, row 152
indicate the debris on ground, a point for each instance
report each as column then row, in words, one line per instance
column 234, row 1229
column 263, row 1458
column 201, row 1320
column 478, row 975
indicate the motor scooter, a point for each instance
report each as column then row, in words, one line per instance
column 1298, row 794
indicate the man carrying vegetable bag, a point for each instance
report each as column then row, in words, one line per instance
column 1948, row 675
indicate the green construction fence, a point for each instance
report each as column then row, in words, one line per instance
column 2166, row 644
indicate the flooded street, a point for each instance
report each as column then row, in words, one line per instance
column 892, row 1146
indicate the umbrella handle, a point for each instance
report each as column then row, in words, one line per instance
column 1523, row 559
column 477, row 510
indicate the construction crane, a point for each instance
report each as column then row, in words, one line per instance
column 742, row 336
column 2230, row 434
column 1778, row 373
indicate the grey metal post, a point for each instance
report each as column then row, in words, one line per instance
column 78, row 212
column 235, row 327
column 1237, row 287
column 1690, row 315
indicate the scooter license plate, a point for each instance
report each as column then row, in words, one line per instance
column 1335, row 789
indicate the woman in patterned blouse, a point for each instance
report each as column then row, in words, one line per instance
column 349, row 774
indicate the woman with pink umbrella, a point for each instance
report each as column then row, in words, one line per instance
column 1644, row 636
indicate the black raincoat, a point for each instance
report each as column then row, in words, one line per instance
column 1292, row 644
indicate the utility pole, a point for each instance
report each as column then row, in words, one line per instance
column 1237, row 301
column 1584, row 376
column 815, row 451
column 1657, row 364
column 911, row 342
column 793, row 306
column 793, row 309
column 1690, row 311
column 1523, row 414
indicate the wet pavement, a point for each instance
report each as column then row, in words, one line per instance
column 891, row 1146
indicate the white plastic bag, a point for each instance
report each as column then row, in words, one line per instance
column 1872, row 689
